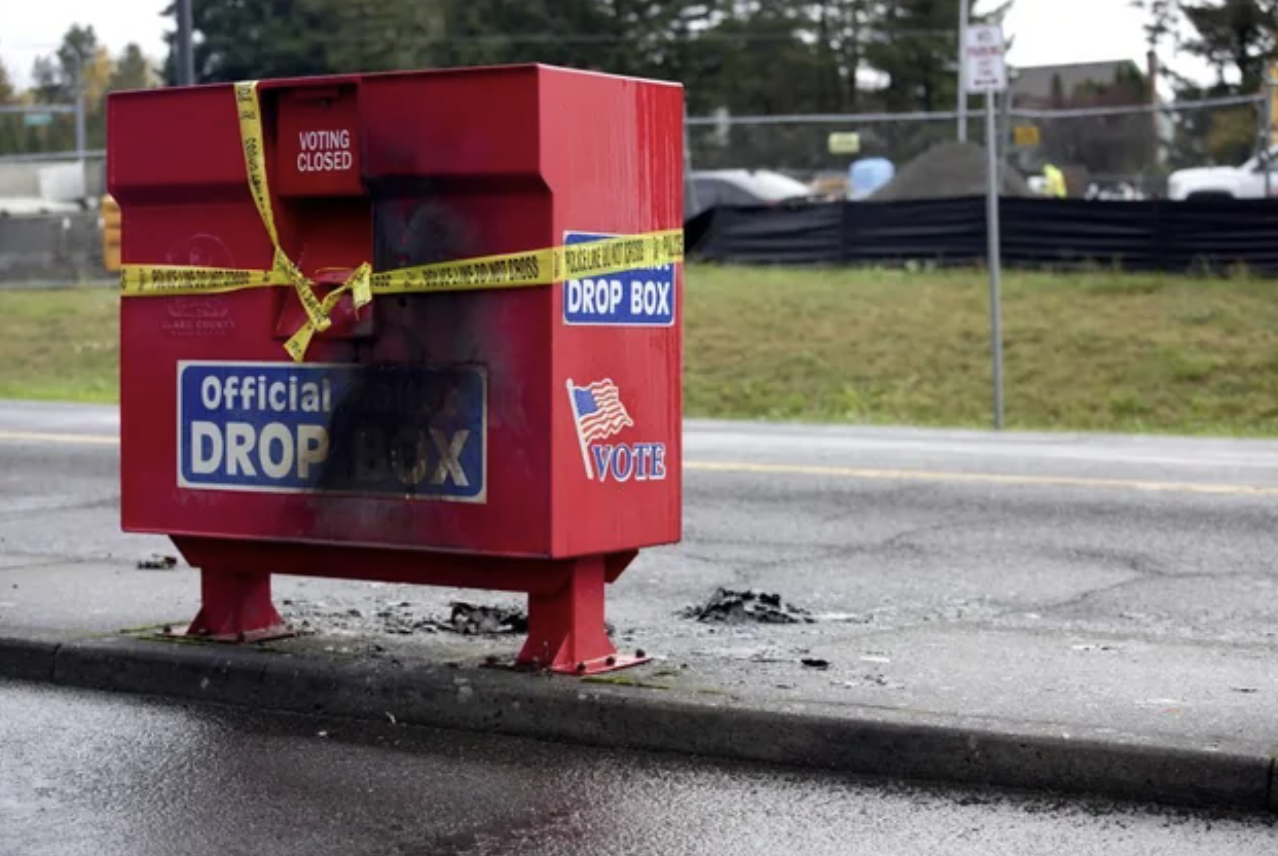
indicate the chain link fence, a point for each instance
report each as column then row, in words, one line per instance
column 1115, row 152
column 1125, row 151
column 1136, row 145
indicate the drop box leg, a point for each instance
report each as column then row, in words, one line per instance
column 566, row 627
column 236, row 607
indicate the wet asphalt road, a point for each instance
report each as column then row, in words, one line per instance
column 85, row 773
column 940, row 533
column 1116, row 582
column 1150, row 538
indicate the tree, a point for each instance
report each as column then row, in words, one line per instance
column 7, row 92
column 12, row 134
column 1163, row 18
column 250, row 39
column 845, row 26
column 1235, row 37
column 915, row 43
column 58, row 76
column 383, row 35
column 133, row 71
column 79, row 64
column 1114, row 145
column 99, row 71
column 741, row 48
column 1237, row 33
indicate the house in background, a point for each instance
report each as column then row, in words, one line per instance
column 1127, row 147
column 1051, row 87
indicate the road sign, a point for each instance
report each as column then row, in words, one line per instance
column 845, row 143
column 986, row 72
column 32, row 120
column 983, row 52
column 1026, row 136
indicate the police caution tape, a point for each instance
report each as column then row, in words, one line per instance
column 513, row 270
column 168, row 280
column 537, row 268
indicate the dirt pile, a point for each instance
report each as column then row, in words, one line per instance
column 944, row 171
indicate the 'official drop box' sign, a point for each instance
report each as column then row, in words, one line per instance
column 643, row 297
column 409, row 431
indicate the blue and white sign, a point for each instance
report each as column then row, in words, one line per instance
column 643, row 297
column 412, row 431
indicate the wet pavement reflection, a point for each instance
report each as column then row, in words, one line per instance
column 93, row 773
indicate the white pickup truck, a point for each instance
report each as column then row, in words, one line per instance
column 1233, row 182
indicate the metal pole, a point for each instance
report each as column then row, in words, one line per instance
column 1266, row 137
column 81, row 134
column 1005, row 133
column 962, row 61
column 995, row 256
column 185, row 51
column 691, row 203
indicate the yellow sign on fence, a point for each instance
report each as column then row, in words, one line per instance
column 845, row 143
column 1026, row 136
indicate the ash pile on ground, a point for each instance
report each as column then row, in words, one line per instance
column 726, row 606
column 472, row 620
column 396, row 618
column 946, row 171
column 402, row 619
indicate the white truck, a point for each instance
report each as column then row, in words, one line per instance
column 1226, row 182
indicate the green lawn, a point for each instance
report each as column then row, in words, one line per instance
column 59, row 345
column 1095, row 351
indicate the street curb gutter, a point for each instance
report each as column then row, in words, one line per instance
column 28, row 659
column 566, row 710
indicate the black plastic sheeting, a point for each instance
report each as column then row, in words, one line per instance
column 805, row 234
column 1183, row 237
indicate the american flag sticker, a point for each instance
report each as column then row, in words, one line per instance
column 598, row 413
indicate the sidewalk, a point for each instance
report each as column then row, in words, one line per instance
column 970, row 697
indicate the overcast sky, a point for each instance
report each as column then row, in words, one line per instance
column 1047, row 32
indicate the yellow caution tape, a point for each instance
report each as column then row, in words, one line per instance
column 539, row 267
column 510, row 270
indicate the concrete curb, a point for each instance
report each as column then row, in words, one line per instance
column 28, row 658
column 566, row 710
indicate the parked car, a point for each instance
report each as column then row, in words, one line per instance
column 1117, row 191
column 707, row 188
column 1236, row 182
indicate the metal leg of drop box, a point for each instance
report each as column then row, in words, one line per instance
column 566, row 630
column 236, row 607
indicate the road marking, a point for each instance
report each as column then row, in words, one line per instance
column 981, row 478
column 59, row 439
column 934, row 476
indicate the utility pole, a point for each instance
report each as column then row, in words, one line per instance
column 1152, row 171
column 964, row 6
column 689, row 186
column 1267, row 118
column 185, row 51
column 81, row 134
column 1005, row 135
column 1264, row 120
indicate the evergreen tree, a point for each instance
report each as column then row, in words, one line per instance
column 133, row 71
column 1237, row 39
column 13, row 137
column 382, row 35
column 250, row 39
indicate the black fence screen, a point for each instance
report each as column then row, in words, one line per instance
column 1183, row 237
